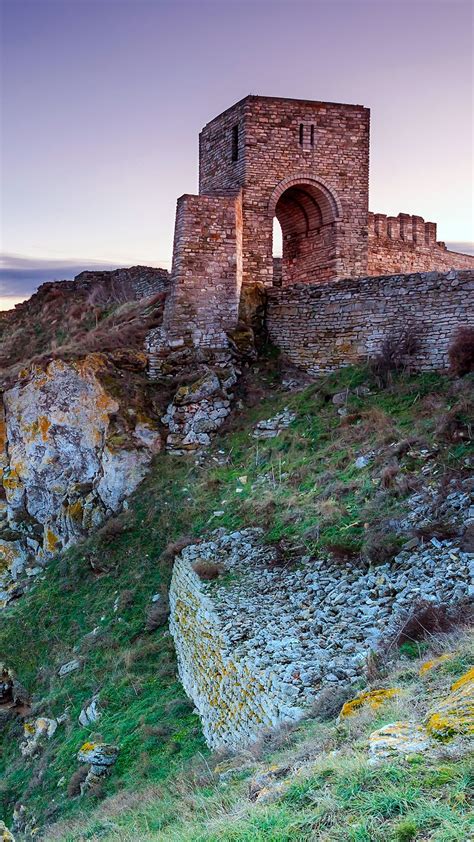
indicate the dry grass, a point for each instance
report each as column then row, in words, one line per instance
column 207, row 571
column 461, row 351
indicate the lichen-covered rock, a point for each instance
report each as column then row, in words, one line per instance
column 372, row 699
column 100, row 757
column 69, row 456
column 35, row 732
column 198, row 410
column 5, row 834
column 454, row 715
column 398, row 738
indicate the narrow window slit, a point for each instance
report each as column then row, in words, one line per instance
column 312, row 134
column 235, row 143
column 301, row 134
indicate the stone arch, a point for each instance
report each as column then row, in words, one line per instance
column 309, row 214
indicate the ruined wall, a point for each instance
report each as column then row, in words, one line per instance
column 234, row 696
column 256, row 646
column 204, row 295
column 130, row 284
column 323, row 327
column 404, row 243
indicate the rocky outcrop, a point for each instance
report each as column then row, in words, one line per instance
column 73, row 446
column 258, row 644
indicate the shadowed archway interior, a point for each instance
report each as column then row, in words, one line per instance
column 307, row 217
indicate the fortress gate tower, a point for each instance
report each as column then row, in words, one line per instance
column 306, row 163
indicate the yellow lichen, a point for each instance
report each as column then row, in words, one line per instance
column 88, row 747
column 434, row 663
column 75, row 510
column 466, row 679
column 51, row 541
column 372, row 699
column 454, row 714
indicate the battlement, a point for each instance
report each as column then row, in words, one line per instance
column 405, row 226
column 406, row 243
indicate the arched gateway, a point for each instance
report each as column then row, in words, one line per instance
column 309, row 215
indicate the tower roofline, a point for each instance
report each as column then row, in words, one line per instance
column 254, row 97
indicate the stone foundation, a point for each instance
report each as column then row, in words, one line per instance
column 325, row 326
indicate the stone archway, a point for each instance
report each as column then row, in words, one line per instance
column 310, row 215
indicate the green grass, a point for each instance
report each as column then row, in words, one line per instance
column 135, row 672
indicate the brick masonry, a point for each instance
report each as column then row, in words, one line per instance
column 207, row 269
column 323, row 327
column 407, row 243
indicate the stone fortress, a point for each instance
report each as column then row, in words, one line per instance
column 255, row 651
column 307, row 164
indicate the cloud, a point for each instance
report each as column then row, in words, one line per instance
column 20, row 276
column 465, row 248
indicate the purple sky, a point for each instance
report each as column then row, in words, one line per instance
column 103, row 101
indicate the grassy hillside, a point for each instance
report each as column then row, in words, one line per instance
column 304, row 488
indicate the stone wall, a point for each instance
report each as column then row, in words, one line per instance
column 325, row 326
column 128, row 284
column 404, row 243
column 256, row 646
column 204, row 295
column 235, row 698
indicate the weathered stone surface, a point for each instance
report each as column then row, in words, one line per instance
column 90, row 713
column 272, row 427
column 99, row 755
column 398, row 738
column 35, row 732
column 71, row 666
column 199, row 409
column 63, row 468
column 323, row 327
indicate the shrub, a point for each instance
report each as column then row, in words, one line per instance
column 206, row 570
column 157, row 615
column 77, row 778
column 330, row 701
column 461, row 351
column 395, row 353
column 389, row 475
column 381, row 545
column 428, row 618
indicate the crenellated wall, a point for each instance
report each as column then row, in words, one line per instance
column 325, row 326
column 406, row 243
